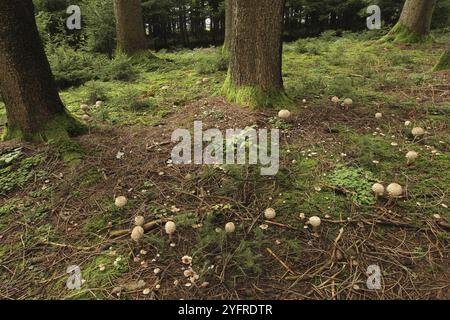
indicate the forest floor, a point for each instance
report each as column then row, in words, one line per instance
column 55, row 214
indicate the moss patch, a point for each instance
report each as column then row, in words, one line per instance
column 254, row 96
column 56, row 132
column 444, row 62
column 401, row 34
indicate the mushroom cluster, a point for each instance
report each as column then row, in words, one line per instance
column 138, row 231
column 394, row 190
column 86, row 110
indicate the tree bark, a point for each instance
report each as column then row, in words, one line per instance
column 415, row 22
column 33, row 107
column 255, row 77
column 129, row 26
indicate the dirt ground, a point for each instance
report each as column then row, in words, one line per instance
column 277, row 259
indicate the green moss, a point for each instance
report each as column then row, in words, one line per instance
column 89, row 178
column 254, row 96
column 56, row 132
column 401, row 34
column 444, row 62
column 58, row 129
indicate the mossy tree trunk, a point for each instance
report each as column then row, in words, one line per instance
column 414, row 23
column 33, row 107
column 444, row 61
column 228, row 27
column 129, row 26
column 254, row 77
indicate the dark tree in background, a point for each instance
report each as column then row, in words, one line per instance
column 201, row 23
column 228, row 26
column 415, row 22
column 33, row 107
column 255, row 78
column 129, row 26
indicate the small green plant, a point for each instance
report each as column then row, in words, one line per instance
column 211, row 63
column 340, row 86
column 355, row 181
column 279, row 123
column 309, row 85
column 13, row 177
column 120, row 68
column 95, row 90
column 308, row 46
column 8, row 158
column 132, row 100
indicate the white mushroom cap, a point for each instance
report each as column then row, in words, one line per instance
column 378, row 189
column 121, row 202
column 394, row 190
column 335, row 99
column 284, row 114
column 84, row 107
column 315, row 221
column 418, row 132
column 407, row 123
column 99, row 103
column 379, row 115
column 137, row 234
column 139, row 221
column 270, row 214
column 85, row 117
column 412, row 155
column 170, row 227
column 230, row 227
column 348, row 102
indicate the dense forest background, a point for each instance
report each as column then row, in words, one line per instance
column 196, row 23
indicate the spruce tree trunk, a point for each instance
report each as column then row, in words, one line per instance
column 255, row 78
column 129, row 26
column 228, row 27
column 33, row 107
column 414, row 23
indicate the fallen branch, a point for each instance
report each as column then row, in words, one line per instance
column 147, row 227
column 281, row 262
